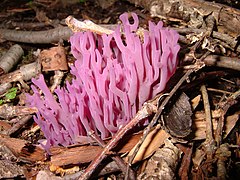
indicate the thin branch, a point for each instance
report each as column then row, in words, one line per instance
column 20, row 124
column 209, row 142
column 36, row 37
column 11, row 58
column 222, row 61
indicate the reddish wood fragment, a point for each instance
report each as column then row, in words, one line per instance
column 54, row 59
column 186, row 161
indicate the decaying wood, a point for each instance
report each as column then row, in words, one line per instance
column 223, row 153
column 184, row 169
column 228, row 19
column 163, row 164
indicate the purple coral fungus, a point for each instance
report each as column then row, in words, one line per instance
column 114, row 76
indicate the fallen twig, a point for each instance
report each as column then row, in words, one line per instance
column 222, row 61
column 21, row 122
column 36, row 37
column 9, row 59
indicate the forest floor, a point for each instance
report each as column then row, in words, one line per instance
column 195, row 129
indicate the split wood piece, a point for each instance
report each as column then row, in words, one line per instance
column 153, row 141
column 10, row 58
column 228, row 19
column 20, row 149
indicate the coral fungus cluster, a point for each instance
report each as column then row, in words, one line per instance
column 113, row 76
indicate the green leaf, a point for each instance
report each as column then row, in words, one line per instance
column 1, row 101
column 11, row 94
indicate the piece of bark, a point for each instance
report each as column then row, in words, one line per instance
column 228, row 19
column 86, row 153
